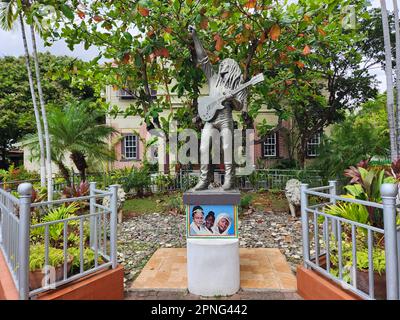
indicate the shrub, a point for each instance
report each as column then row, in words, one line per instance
column 138, row 180
column 163, row 182
column 88, row 258
column 175, row 205
column 245, row 201
column 56, row 230
column 76, row 190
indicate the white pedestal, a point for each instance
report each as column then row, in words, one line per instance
column 213, row 266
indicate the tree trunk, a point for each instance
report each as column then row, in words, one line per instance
column 389, row 82
column 3, row 159
column 80, row 162
column 301, row 152
column 64, row 171
column 44, row 117
column 35, row 108
column 397, row 28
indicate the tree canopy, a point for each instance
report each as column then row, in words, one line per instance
column 359, row 137
column 311, row 59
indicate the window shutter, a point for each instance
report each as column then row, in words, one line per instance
column 122, row 147
column 277, row 143
column 137, row 147
column 262, row 149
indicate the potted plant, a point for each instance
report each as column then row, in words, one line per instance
column 37, row 263
column 362, row 267
column 56, row 252
column 88, row 259
column 362, row 274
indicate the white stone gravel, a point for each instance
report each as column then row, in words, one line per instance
column 140, row 236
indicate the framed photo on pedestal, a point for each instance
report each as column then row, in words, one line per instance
column 211, row 221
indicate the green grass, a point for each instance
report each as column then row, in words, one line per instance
column 151, row 204
column 275, row 201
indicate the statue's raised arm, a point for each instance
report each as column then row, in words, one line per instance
column 201, row 55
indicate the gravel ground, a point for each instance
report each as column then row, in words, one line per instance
column 140, row 236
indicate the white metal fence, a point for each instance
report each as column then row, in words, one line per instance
column 16, row 228
column 9, row 232
column 331, row 243
column 185, row 179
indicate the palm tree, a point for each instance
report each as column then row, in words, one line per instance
column 9, row 13
column 44, row 118
column 389, row 82
column 76, row 130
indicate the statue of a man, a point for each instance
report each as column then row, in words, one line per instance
column 228, row 77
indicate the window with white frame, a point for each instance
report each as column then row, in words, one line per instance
column 313, row 145
column 130, row 146
column 127, row 94
column 270, row 145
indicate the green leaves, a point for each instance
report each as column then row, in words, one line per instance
column 67, row 11
column 350, row 211
column 142, row 36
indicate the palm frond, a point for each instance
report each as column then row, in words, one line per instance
column 8, row 14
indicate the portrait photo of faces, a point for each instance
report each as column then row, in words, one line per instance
column 211, row 221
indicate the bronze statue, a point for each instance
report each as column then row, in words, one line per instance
column 216, row 110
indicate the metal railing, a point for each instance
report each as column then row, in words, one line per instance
column 185, row 179
column 260, row 178
column 17, row 225
column 332, row 244
column 9, row 232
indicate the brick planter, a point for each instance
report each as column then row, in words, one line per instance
column 311, row 285
column 101, row 285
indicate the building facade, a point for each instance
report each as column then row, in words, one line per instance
column 129, row 147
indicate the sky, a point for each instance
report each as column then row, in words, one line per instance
column 11, row 45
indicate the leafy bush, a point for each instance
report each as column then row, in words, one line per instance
column 350, row 211
column 358, row 137
column 77, row 190
column 378, row 257
column 138, row 180
column 245, row 201
column 365, row 184
column 163, row 182
column 17, row 174
column 175, row 205
column 286, row 164
column 117, row 176
column 256, row 176
column 188, row 181
column 55, row 230
column 88, row 258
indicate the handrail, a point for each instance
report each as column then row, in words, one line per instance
column 60, row 201
column 321, row 234
column 9, row 196
column 357, row 201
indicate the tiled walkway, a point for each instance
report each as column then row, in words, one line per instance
column 264, row 274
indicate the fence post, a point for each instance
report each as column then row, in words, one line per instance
column 92, row 219
column 304, row 223
column 398, row 253
column 389, row 193
column 25, row 194
column 333, row 192
column 113, row 224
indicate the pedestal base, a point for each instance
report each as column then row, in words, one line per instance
column 213, row 266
